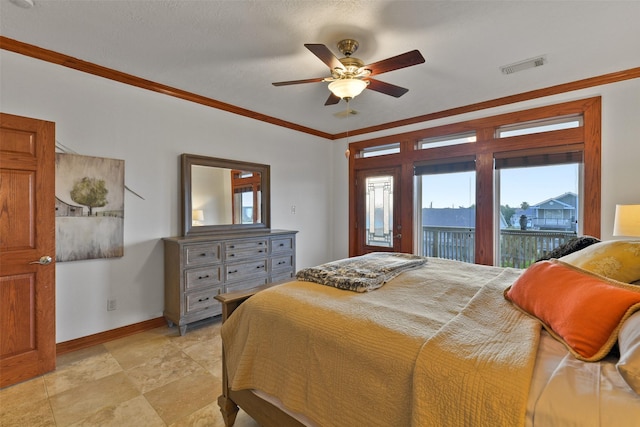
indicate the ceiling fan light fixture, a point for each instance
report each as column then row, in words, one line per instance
column 347, row 88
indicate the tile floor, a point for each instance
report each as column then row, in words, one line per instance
column 154, row 378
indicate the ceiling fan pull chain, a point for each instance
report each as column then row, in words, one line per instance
column 348, row 114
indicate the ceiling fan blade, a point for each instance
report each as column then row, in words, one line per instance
column 395, row 63
column 325, row 55
column 296, row 82
column 332, row 100
column 386, row 88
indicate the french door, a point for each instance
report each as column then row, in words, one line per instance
column 377, row 226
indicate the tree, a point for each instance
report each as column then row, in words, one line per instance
column 90, row 192
column 507, row 213
column 524, row 206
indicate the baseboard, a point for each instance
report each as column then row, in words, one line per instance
column 102, row 337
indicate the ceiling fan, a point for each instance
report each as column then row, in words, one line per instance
column 350, row 76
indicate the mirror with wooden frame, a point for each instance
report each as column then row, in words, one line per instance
column 223, row 195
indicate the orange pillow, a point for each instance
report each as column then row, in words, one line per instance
column 580, row 309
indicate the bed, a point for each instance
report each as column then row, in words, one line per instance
column 441, row 343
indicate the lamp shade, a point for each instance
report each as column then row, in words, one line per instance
column 197, row 215
column 627, row 221
column 347, row 88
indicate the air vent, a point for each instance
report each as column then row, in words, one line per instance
column 523, row 65
column 25, row 4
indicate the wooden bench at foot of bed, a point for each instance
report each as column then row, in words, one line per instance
column 266, row 414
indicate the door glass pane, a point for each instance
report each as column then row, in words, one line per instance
column 379, row 211
column 539, row 211
column 448, row 215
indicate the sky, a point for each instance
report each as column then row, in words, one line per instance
column 532, row 185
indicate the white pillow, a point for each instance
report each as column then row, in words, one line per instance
column 629, row 344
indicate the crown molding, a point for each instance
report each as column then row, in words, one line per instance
column 108, row 73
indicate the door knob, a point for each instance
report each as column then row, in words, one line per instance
column 44, row 260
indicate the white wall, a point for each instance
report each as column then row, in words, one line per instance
column 620, row 150
column 98, row 117
column 149, row 131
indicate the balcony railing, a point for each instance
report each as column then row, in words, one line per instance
column 556, row 223
column 518, row 249
column 449, row 242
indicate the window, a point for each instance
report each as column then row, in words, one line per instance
column 539, row 206
column 246, row 194
column 380, row 150
column 447, row 209
column 487, row 168
column 444, row 141
column 539, row 126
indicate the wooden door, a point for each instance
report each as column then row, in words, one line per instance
column 378, row 198
column 27, row 248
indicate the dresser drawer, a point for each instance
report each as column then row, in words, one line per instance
column 236, row 251
column 245, row 270
column 206, row 253
column 282, row 244
column 281, row 262
column 203, row 300
column 203, row 276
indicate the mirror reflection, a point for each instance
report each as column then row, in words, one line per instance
column 235, row 199
column 223, row 195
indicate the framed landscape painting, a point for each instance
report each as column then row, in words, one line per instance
column 89, row 207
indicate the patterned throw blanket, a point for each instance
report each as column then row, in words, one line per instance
column 362, row 273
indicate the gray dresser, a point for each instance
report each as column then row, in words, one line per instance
column 198, row 268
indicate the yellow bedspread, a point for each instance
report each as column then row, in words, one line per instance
column 480, row 362
column 345, row 359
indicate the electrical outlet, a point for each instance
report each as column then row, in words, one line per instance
column 111, row 304
column 293, row 209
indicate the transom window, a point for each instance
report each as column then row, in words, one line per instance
column 446, row 140
column 380, row 150
column 548, row 125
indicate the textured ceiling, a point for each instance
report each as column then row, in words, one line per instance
column 232, row 51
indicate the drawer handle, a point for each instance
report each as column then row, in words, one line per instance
column 260, row 266
column 260, row 251
column 203, row 254
column 232, row 255
column 234, row 271
column 282, row 262
column 232, row 246
column 203, row 277
column 281, row 244
column 203, row 299
column 260, row 243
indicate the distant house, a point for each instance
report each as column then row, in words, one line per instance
column 557, row 213
column 449, row 217
column 453, row 217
